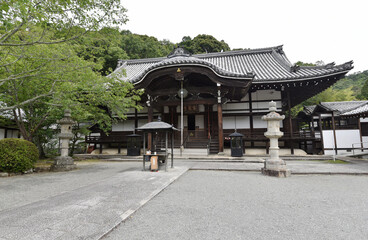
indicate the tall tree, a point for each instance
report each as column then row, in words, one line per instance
column 41, row 73
column 28, row 24
column 143, row 46
column 204, row 43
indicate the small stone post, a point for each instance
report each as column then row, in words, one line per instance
column 64, row 162
column 274, row 166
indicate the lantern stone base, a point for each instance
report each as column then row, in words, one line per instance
column 275, row 168
column 276, row 173
column 63, row 164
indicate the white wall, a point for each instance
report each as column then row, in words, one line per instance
column 127, row 125
column 258, row 122
column 344, row 139
column 242, row 122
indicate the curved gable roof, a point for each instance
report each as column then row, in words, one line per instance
column 266, row 65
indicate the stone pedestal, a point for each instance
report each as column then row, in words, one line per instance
column 274, row 166
column 64, row 162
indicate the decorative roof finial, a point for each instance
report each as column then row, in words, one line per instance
column 179, row 51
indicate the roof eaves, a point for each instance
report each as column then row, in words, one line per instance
column 193, row 62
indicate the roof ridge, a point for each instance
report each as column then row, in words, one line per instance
column 238, row 52
column 346, row 65
column 347, row 101
column 286, row 64
column 203, row 55
column 143, row 60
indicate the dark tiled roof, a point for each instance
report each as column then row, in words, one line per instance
column 268, row 65
column 361, row 110
column 341, row 107
column 308, row 110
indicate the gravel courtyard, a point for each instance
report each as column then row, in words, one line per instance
column 245, row 205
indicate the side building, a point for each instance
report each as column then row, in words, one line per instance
column 340, row 127
column 222, row 93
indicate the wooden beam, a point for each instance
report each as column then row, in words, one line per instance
column 186, row 102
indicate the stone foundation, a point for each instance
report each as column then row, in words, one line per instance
column 63, row 164
column 276, row 173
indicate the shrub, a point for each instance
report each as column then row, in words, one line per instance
column 17, row 155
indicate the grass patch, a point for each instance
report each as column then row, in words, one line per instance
column 337, row 161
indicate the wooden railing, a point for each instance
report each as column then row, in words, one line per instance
column 255, row 135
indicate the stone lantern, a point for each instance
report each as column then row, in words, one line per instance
column 274, row 166
column 64, row 162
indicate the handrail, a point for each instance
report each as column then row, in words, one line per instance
column 209, row 145
column 361, row 146
column 185, row 141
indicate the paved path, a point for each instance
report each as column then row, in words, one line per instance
column 296, row 167
column 243, row 205
column 82, row 211
column 89, row 202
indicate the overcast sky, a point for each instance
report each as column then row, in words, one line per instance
column 313, row 30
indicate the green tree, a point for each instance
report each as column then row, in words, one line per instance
column 41, row 73
column 27, row 25
column 203, row 43
column 101, row 47
column 143, row 46
column 36, row 100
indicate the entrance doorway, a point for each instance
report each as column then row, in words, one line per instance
column 191, row 122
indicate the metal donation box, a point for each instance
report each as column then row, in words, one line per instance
column 236, row 140
column 134, row 145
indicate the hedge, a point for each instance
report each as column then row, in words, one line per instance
column 17, row 155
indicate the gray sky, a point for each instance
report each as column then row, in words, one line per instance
column 313, row 30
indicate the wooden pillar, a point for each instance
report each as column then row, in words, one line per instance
column 334, row 131
column 313, row 135
column 291, row 142
column 135, row 119
column 360, row 134
column 144, row 151
column 150, row 118
column 211, row 126
column 166, row 152
column 321, row 131
column 172, row 149
column 219, row 116
column 208, row 122
column 171, row 110
column 251, row 118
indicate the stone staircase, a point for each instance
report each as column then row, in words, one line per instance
column 214, row 146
